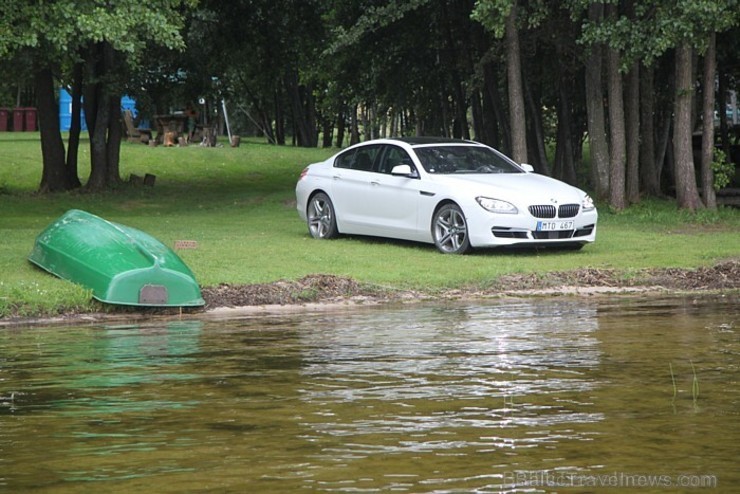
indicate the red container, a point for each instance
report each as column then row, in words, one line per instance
column 18, row 115
column 30, row 119
column 4, row 119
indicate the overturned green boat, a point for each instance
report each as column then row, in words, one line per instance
column 121, row 265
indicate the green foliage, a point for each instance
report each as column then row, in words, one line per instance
column 493, row 13
column 373, row 18
column 656, row 26
column 723, row 170
column 53, row 32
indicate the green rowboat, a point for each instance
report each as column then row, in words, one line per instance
column 121, row 265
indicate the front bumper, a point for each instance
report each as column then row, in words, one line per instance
column 492, row 230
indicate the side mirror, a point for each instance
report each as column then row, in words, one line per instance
column 402, row 170
column 527, row 167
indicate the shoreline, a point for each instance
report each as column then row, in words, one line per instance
column 341, row 304
column 330, row 292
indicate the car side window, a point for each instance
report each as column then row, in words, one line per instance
column 365, row 158
column 362, row 158
column 392, row 157
column 345, row 160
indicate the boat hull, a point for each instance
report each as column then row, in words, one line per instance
column 120, row 264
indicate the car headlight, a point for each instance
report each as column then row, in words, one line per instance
column 587, row 204
column 496, row 205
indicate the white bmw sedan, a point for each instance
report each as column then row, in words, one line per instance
column 455, row 194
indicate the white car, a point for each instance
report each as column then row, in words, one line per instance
column 455, row 194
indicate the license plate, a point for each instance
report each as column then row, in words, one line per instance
column 553, row 226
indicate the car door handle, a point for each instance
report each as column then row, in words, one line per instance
column 374, row 182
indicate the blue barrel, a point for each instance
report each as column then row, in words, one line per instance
column 65, row 111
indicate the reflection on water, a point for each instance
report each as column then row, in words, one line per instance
column 501, row 396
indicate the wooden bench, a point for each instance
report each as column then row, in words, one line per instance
column 133, row 133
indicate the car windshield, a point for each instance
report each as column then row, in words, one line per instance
column 464, row 159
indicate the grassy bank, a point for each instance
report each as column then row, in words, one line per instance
column 238, row 204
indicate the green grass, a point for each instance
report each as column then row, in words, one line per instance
column 238, row 204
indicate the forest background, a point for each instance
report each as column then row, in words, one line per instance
column 626, row 84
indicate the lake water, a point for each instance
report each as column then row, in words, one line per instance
column 523, row 395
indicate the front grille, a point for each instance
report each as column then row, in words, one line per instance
column 548, row 211
column 552, row 235
column 542, row 211
column 568, row 210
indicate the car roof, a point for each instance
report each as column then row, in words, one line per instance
column 423, row 140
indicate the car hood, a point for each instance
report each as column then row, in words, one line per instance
column 532, row 187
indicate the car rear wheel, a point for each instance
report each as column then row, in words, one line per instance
column 320, row 217
column 450, row 231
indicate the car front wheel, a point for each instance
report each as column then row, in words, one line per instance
column 320, row 217
column 450, row 231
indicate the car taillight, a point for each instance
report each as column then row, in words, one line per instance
column 304, row 173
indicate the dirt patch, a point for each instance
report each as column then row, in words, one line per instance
column 723, row 276
column 312, row 288
column 329, row 288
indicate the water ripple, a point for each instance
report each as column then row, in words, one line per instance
column 452, row 398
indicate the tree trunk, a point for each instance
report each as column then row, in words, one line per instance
column 476, row 107
column 617, row 138
column 264, row 121
column 341, row 125
column 113, row 143
column 516, row 93
column 460, row 128
column 633, row 134
column 685, row 179
column 598, row 146
column 327, row 125
column 724, row 131
column 311, row 119
column 266, row 124
column 102, row 111
column 564, row 168
column 98, row 143
column 537, row 153
column 444, row 126
column 664, row 162
column 75, row 126
column 649, row 166
column 279, row 118
column 303, row 111
column 53, row 176
column 354, row 132
column 707, row 135
column 490, row 134
column 502, row 132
